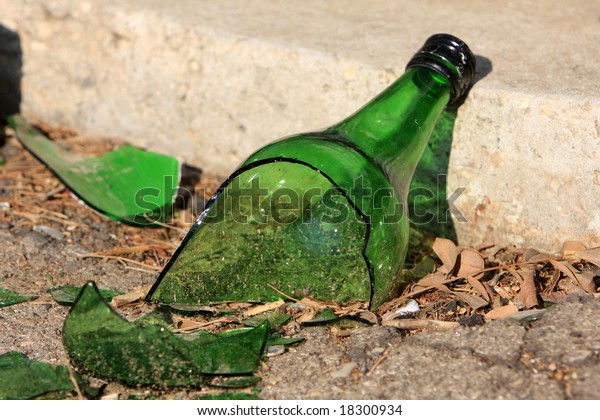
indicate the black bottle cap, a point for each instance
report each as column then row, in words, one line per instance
column 449, row 56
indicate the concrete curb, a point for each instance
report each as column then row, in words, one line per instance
column 210, row 82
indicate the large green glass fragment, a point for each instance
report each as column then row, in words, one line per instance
column 281, row 225
column 8, row 298
column 22, row 378
column 128, row 184
column 102, row 342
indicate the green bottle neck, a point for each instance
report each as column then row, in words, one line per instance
column 394, row 128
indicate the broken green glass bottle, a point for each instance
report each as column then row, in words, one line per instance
column 324, row 213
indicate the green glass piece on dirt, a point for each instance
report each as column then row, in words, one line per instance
column 368, row 160
column 235, row 381
column 66, row 295
column 8, row 297
column 326, row 315
column 274, row 319
column 159, row 318
column 229, row 396
column 284, row 341
column 22, row 378
column 128, row 184
column 100, row 341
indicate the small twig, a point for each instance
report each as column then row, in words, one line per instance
column 76, row 384
column 165, row 225
column 380, row 360
column 121, row 260
column 281, row 293
column 416, row 324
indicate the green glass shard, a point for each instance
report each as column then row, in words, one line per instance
column 273, row 318
column 128, row 184
column 8, row 298
column 428, row 207
column 326, row 315
column 282, row 225
column 284, row 341
column 229, row 396
column 66, row 295
column 157, row 318
column 100, row 341
column 197, row 309
column 22, row 378
column 235, row 381
column 142, row 397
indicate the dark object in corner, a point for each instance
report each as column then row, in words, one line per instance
column 11, row 61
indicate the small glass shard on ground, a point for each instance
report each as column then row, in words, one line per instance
column 128, row 184
column 22, row 378
column 8, row 298
column 66, row 295
column 280, row 225
column 102, row 342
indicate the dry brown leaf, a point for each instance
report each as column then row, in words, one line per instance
column 136, row 295
column 585, row 281
column 312, row 303
column 528, row 292
column 479, row 288
column 570, row 247
column 502, row 312
column 471, row 264
column 432, row 280
column 415, row 324
column 307, row 315
column 473, row 301
column 263, row 308
column 447, row 253
column 368, row 316
column 502, row 292
column 590, row 255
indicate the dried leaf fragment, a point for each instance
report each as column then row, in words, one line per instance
column 528, row 292
column 586, row 282
column 502, row 312
column 471, row 263
column 590, row 255
column 447, row 253
column 416, row 324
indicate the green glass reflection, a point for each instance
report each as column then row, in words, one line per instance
column 99, row 340
column 280, row 225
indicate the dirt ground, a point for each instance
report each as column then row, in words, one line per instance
column 49, row 239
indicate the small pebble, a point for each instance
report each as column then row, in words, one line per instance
column 49, row 231
column 576, row 357
column 344, row 370
column 273, row 351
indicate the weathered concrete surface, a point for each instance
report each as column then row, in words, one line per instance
column 556, row 357
column 210, row 82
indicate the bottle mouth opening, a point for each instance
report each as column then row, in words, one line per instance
column 450, row 57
